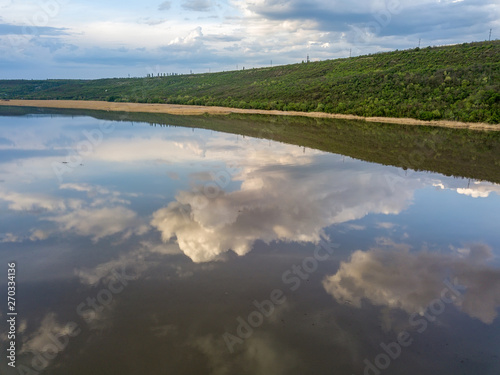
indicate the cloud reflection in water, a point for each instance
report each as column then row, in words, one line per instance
column 398, row 278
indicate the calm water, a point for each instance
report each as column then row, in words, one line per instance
column 148, row 250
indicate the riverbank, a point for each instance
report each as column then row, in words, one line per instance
column 191, row 110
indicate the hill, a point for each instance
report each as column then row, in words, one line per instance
column 459, row 82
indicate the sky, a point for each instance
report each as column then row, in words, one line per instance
column 45, row 39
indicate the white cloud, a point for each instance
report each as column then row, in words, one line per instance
column 410, row 281
column 100, row 214
column 385, row 225
column 161, row 248
column 207, row 227
column 166, row 5
column 133, row 264
column 356, row 227
column 478, row 189
column 198, row 5
column 38, row 234
column 90, row 189
column 100, row 222
column 100, row 195
column 143, row 149
column 190, row 39
column 261, row 355
column 9, row 237
column 88, row 34
column 42, row 340
column 33, row 201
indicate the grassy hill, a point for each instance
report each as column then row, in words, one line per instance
column 460, row 82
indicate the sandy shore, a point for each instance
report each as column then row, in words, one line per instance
column 190, row 110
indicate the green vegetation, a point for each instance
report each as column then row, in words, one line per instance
column 460, row 82
column 453, row 152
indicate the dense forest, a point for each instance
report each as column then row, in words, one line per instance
column 459, row 82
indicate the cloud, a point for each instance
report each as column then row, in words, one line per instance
column 100, row 195
column 28, row 30
column 39, row 235
column 207, row 226
column 173, row 175
column 83, row 42
column 160, row 248
column 410, row 281
column 356, row 227
column 326, row 15
column 36, row 235
column 198, row 5
column 478, row 189
column 42, row 340
column 132, row 264
column 382, row 18
column 32, row 202
column 385, row 225
column 166, row 5
column 223, row 38
column 262, row 354
column 100, row 222
column 9, row 237
column 92, row 190
column 6, row 143
column 441, row 19
column 192, row 38
column 151, row 21
column 101, row 215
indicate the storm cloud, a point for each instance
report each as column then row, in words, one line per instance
column 93, row 40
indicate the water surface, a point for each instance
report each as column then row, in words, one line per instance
column 173, row 250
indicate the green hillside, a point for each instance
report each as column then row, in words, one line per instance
column 460, row 82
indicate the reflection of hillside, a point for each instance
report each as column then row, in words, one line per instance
column 448, row 151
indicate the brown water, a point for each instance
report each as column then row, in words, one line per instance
column 143, row 250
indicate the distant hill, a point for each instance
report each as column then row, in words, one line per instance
column 459, row 82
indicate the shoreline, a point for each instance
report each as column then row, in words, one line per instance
column 192, row 110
